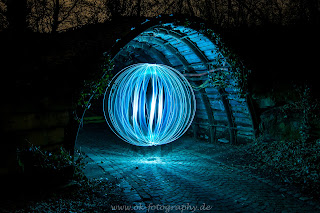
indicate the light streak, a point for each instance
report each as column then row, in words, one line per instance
column 149, row 104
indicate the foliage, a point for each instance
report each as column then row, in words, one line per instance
column 239, row 72
column 36, row 162
column 95, row 87
column 97, row 195
column 94, row 195
column 307, row 106
column 297, row 162
column 226, row 59
column 78, row 194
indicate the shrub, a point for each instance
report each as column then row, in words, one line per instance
column 297, row 162
column 51, row 168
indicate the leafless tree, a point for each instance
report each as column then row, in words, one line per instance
column 16, row 14
column 51, row 16
column 139, row 7
column 118, row 7
column 3, row 17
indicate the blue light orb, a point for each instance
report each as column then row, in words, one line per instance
column 149, row 104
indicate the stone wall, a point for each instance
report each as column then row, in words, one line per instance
column 23, row 124
column 277, row 125
column 288, row 110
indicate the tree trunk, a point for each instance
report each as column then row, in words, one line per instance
column 209, row 11
column 55, row 22
column 139, row 8
column 229, row 12
column 180, row 6
column 313, row 7
column 190, row 8
column 17, row 15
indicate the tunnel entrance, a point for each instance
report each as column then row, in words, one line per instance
column 187, row 170
column 223, row 111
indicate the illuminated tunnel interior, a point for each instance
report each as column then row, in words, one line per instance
column 222, row 111
column 184, row 174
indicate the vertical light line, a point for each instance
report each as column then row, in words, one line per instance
column 143, row 119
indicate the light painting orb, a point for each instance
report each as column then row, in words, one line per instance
column 149, row 104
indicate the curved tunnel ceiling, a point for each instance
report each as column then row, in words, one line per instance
column 222, row 114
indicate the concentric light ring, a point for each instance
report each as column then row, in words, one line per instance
column 149, row 104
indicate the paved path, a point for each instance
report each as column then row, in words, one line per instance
column 183, row 176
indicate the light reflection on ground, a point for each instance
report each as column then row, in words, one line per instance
column 180, row 173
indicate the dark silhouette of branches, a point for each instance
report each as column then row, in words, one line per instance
column 118, row 7
column 51, row 16
column 138, row 7
column 17, row 11
column 251, row 8
column 3, row 17
column 191, row 9
column 57, row 17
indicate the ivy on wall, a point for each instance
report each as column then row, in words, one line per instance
column 239, row 72
column 308, row 108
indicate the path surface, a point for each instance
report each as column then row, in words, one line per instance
column 183, row 176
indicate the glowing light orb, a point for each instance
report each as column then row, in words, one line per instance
column 149, row 104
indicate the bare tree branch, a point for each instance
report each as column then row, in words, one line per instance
column 243, row 3
column 190, row 8
column 70, row 10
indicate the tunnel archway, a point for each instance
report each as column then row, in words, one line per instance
column 223, row 110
